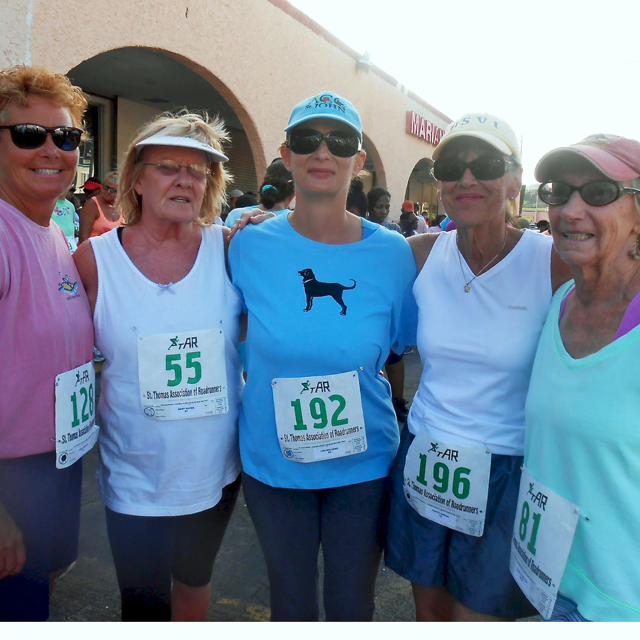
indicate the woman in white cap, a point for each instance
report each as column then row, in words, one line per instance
column 167, row 320
column 455, row 480
column 318, row 432
column 583, row 429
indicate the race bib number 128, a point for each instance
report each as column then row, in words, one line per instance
column 76, row 429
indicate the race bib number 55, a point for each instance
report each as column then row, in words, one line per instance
column 183, row 375
column 319, row 417
column 447, row 483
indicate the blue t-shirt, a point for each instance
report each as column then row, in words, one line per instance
column 285, row 341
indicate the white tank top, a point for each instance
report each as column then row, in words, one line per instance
column 477, row 348
column 152, row 467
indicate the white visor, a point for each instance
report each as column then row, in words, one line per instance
column 181, row 141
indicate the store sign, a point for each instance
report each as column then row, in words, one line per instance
column 422, row 128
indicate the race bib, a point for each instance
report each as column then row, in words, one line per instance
column 76, row 429
column 183, row 375
column 542, row 538
column 319, row 417
column 447, row 483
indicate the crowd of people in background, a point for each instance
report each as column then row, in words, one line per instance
column 257, row 340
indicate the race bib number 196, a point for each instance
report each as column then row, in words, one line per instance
column 448, row 483
column 319, row 417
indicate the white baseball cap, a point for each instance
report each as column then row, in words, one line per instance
column 483, row 126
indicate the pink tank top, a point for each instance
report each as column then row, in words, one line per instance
column 103, row 224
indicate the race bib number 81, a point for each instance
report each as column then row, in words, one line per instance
column 542, row 537
column 319, row 417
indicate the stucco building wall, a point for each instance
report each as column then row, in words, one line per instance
column 262, row 56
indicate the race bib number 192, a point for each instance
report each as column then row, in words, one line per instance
column 319, row 417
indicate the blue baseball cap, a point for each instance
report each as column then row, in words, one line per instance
column 326, row 105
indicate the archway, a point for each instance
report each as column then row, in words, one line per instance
column 129, row 86
column 375, row 174
column 421, row 189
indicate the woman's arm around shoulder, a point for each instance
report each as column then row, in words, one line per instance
column 88, row 215
column 421, row 246
column 85, row 261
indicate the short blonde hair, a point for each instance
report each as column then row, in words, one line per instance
column 19, row 83
column 183, row 124
column 112, row 176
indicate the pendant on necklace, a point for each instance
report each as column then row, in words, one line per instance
column 467, row 288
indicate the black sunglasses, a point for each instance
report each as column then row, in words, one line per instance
column 109, row 189
column 598, row 193
column 482, row 168
column 32, row 136
column 339, row 143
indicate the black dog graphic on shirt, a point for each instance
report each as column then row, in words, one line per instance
column 315, row 289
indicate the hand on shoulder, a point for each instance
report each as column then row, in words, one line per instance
column 255, row 216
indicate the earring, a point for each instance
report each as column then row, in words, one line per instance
column 635, row 252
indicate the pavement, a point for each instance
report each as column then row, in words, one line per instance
column 240, row 587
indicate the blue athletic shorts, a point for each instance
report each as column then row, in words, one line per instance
column 474, row 570
column 565, row 610
column 45, row 504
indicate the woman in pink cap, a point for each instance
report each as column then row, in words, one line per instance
column 582, row 447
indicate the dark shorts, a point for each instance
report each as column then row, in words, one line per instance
column 45, row 504
column 474, row 570
column 149, row 551
column 292, row 524
column 394, row 358
column 565, row 610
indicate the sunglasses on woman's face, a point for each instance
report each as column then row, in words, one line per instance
column 340, row 144
column 109, row 189
column 598, row 193
column 32, row 136
column 482, row 168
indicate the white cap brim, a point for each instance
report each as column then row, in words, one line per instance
column 181, row 141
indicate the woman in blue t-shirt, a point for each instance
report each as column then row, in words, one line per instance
column 318, row 432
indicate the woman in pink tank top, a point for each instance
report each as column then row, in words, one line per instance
column 99, row 214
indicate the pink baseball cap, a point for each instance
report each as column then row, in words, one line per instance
column 617, row 157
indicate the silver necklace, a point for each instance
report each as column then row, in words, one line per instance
column 467, row 285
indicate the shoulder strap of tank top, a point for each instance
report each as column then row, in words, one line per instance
column 99, row 207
